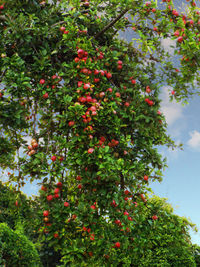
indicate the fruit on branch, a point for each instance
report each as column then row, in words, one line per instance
column 154, row 217
column 66, row 204
column 117, row 245
column 46, row 213
column 42, row 81
column 53, row 158
column 49, row 197
column 45, row 96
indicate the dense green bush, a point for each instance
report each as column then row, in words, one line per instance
column 16, row 250
column 167, row 240
column 17, row 207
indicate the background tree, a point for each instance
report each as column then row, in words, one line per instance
column 17, row 209
column 90, row 102
column 168, row 242
column 16, row 249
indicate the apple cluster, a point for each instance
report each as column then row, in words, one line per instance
column 32, row 148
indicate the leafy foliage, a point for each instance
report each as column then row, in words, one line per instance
column 90, row 103
column 16, row 249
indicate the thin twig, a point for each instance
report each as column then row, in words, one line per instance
column 111, row 23
column 3, row 74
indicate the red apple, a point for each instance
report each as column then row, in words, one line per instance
column 118, row 222
column 87, row 4
column 86, row 86
column 71, row 123
column 35, row 145
column 46, row 213
column 59, row 184
column 43, row 188
column 102, row 72
column 85, row 70
column 66, row 204
column 150, row 103
column 133, row 81
column 127, row 104
column 113, row 203
column 81, row 52
column 56, row 190
column 126, row 192
column 175, row 13
column 102, row 94
column 56, row 235
column 154, row 217
column 180, row 39
column 53, row 158
column 96, row 80
column 62, row 28
column 117, row 245
column 42, row 81
column 45, row 96
column 96, row 72
column 92, row 237
column 32, row 152
column 49, row 198
column 79, row 186
column 108, row 75
column 109, row 90
column 78, row 178
column 176, row 33
column 77, row 59
column 90, row 150
column 61, row 158
column 88, row 98
column 117, row 94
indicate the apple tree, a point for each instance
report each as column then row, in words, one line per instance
column 80, row 114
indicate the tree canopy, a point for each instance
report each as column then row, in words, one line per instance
column 80, row 114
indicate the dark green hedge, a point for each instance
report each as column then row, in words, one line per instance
column 16, row 250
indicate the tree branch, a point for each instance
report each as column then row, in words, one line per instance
column 111, row 23
column 3, row 74
column 122, row 181
column 2, row 17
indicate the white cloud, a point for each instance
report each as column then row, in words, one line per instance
column 167, row 43
column 194, row 141
column 172, row 110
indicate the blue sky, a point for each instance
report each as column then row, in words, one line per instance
column 181, row 180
